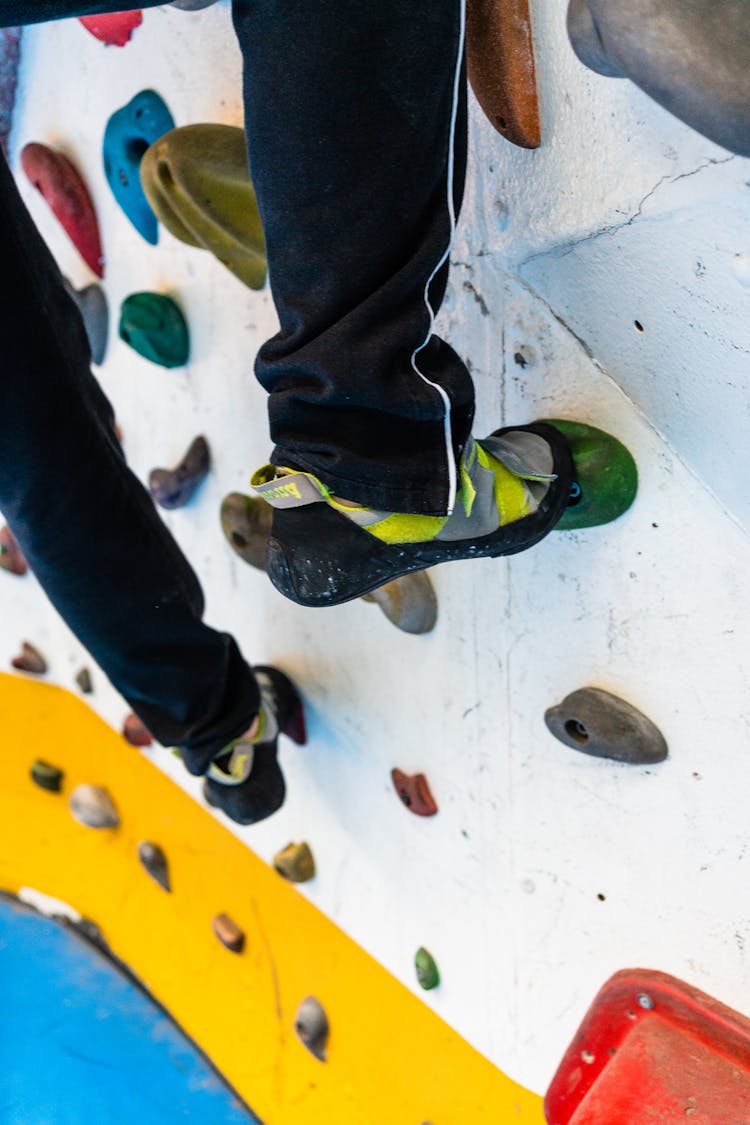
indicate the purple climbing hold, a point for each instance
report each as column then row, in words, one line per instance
column 172, row 488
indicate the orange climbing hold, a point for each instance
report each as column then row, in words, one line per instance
column 115, row 29
column 500, row 61
column 414, row 792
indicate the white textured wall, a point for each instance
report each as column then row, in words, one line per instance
column 623, row 214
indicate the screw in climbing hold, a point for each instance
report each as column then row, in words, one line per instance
column 11, row 557
column 311, row 1025
column 296, row 863
column 92, row 806
column 229, row 933
column 645, row 1001
column 414, row 792
column 154, row 861
column 600, row 724
column 172, row 488
column 30, row 660
column 46, row 776
column 427, row 970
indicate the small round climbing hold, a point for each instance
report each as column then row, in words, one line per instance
column 603, row 725
column 296, row 863
column 605, row 472
column 414, row 792
column 153, row 325
column 84, row 682
column 129, row 133
column 427, row 970
column 30, row 660
column 154, row 861
column 11, row 556
column 229, row 933
column 135, row 732
column 311, row 1025
column 173, row 488
column 47, row 776
column 92, row 806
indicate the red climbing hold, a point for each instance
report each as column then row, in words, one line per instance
column 116, row 29
column 11, row 558
column 414, row 793
column 61, row 185
column 134, row 732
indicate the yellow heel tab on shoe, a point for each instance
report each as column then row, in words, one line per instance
column 285, row 488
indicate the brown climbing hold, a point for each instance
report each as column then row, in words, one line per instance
column 11, row 557
column 408, row 602
column 601, row 724
column 30, row 660
column 311, row 1025
column 83, row 679
column 154, row 861
column 92, row 806
column 295, row 862
column 228, row 933
column 500, row 62
column 414, row 792
column 135, row 732
column 172, row 488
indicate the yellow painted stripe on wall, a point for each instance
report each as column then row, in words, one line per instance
column 391, row 1060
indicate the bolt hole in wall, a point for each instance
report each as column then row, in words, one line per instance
column 638, row 326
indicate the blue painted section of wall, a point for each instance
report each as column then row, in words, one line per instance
column 79, row 1042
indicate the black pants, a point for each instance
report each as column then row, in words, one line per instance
column 356, row 121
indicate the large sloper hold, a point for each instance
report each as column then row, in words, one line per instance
column 62, row 186
column 197, row 182
column 115, row 29
column 603, row 725
column 129, row 133
column 500, row 63
column 690, row 56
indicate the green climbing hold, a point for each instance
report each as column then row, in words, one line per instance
column 197, row 182
column 606, row 477
column 153, row 325
column 427, row 971
column 46, row 776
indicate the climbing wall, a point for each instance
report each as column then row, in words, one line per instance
column 602, row 277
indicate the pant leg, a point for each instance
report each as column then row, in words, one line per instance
column 87, row 526
column 356, row 122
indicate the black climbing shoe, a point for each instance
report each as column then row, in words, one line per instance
column 245, row 781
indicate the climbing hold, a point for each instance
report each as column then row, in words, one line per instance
column 295, row 862
column 94, row 310
column 11, row 556
column 408, row 602
column 414, row 792
column 62, row 186
column 228, row 933
column 46, row 776
column 192, row 5
column 598, row 723
column 311, row 1025
column 427, row 971
column 197, row 181
column 154, row 327
column 134, row 731
column 30, row 660
column 693, row 58
column 92, row 806
column 129, row 132
column 155, row 863
column 500, row 65
column 606, row 476
column 172, row 488
column 115, row 29
column 246, row 523
column 83, row 679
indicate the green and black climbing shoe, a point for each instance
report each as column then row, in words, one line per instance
column 245, row 780
column 515, row 486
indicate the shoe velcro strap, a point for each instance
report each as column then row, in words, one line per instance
column 291, row 490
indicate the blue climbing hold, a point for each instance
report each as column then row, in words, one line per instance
column 130, row 131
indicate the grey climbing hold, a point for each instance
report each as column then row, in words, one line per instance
column 595, row 722
column 94, row 310
column 92, row 806
column 311, row 1025
column 83, row 679
column 47, row 776
column 30, row 660
column 296, row 863
column 154, row 861
column 172, row 488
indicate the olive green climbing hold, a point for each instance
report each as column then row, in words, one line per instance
column 311, row 1025
column 197, row 182
column 603, row 725
column 295, row 862
column 46, row 776
column 246, row 523
column 153, row 325
column 606, row 477
column 91, row 805
column 154, row 861
column 427, row 971
column 408, row 602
